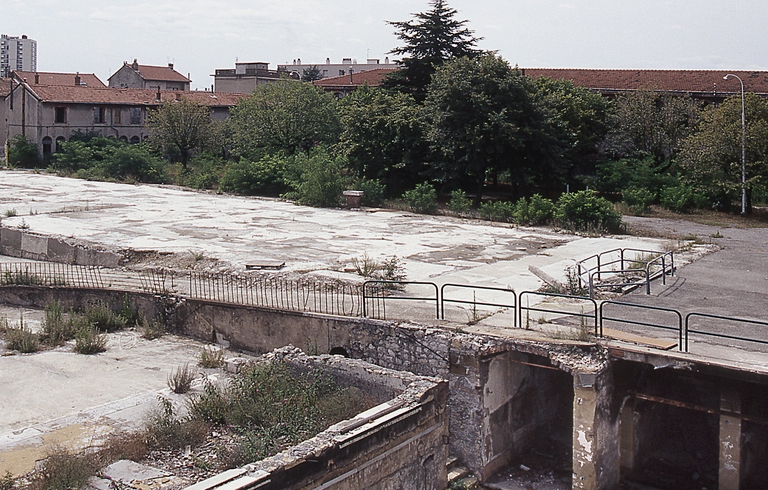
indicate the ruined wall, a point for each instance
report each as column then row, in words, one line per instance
column 398, row 444
column 24, row 244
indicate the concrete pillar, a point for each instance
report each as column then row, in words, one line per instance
column 730, row 440
column 628, row 444
column 595, row 433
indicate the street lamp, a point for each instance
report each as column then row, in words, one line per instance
column 743, row 146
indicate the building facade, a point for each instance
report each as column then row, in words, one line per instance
column 244, row 78
column 329, row 70
column 17, row 53
column 134, row 75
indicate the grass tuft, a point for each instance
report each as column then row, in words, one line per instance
column 180, row 380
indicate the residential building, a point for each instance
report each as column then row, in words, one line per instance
column 17, row 53
column 135, row 75
column 51, row 114
column 346, row 84
column 328, row 69
column 707, row 85
column 245, row 77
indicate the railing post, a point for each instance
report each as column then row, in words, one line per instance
column 647, row 279
column 592, row 285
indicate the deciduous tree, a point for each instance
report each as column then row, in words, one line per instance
column 180, row 125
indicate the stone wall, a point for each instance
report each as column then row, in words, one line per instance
column 24, row 244
column 398, row 444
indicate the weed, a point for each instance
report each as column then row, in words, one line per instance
column 198, row 256
column 55, row 330
column 104, row 319
column 365, row 266
column 180, row 380
column 165, row 430
column 391, row 269
column 572, row 284
column 211, row 357
column 7, row 481
column 10, row 213
column 125, row 445
column 21, row 278
column 150, row 329
column 21, row 338
column 63, row 470
column 89, row 340
column 717, row 234
column 23, row 225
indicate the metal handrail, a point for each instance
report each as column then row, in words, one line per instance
column 443, row 300
column 403, row 283
column 721, row 335
column 592, row 284
column 520, row 306
column 582, row 270
column 635, row 322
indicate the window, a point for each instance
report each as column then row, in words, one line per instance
column 60, row 115
column 47, row 145
column 135, row 139
column 341, row 72
column 99, row 115
column 117, row 115
column 135, row 115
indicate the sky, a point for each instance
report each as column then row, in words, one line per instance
column 199, row 36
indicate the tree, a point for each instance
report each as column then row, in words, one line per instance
column 481, row 117
column 711, row 157
column 22, row 152
column 285, row 116
column 311, row 74
column 383, row 137
column 431, row 39
column 647, row 123
column 180, row 125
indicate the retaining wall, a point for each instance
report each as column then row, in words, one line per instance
column 24, row 244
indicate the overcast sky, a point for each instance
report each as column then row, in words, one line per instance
column 199, row 36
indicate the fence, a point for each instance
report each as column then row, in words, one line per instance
column 50, row 274
column 633, row 270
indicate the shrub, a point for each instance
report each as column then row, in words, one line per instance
column 638, row 200
column 21, row 339
column 459, row 202
column 7, row 481
column 204, row 172
column 373, row 192
column 584, row 210
column 422, row 199
column 22, row 152
column 680, row 198
column 316, row 178
column 265, row 176
column 538, row 212
column 165, row 430
column 89, row 340
column 103, row 318
column 391, row 269
column 211, row 357
column 150, row 329
column 497, row 210
column 64, row 470
column 180, row 380
column 56, row 330
column 132, row 161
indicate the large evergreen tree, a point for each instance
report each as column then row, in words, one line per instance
column 430, row 39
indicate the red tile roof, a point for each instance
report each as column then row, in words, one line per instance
column 371, row 77
column 127, row 96
column 64, row 79
column 699, row 82
column 163, row 73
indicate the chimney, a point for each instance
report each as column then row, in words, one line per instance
column 37, row 79
column 158, row 98
column 170, row 66
column 135, row 65
column 77, row 80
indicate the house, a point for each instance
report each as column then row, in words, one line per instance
column 707, row 85
column 245, row 77
column 51, row 114
column 329, row 70
column 346, row 84
column 61, row 79
column 135, row 75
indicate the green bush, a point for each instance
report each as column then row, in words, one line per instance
column 55, row 329
column 586, row 211
column 373, row 192
column 638, row 200
column 459, row 202
column 89, row 340
column 265, row 176
column 204, row 172
column 422, row 199
column 538, row 212
column 64, row 470
column 104, row 319
column 21, row 339
column 680, row 198
column 22, row 152
column 316, row 178
column 497, row 210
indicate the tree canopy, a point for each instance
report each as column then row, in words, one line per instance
column 180, row 125
column 429, row 40
column 287, row 116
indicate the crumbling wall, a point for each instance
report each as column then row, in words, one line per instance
column 28, row 245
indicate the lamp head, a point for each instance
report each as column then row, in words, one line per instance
column 726, row 77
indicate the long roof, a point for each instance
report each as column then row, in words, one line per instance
column 64, row 79
column 130, row 96
column 701, row 82
column 160, row 73
column 371, row 77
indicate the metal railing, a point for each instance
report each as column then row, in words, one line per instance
column 388, row 290
column 604, row 263
column 50, row 274
column 627, row 321
column 689, row 330
column 474, row 303
column 579, row 314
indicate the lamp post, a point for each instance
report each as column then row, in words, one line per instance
column 743, row 146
